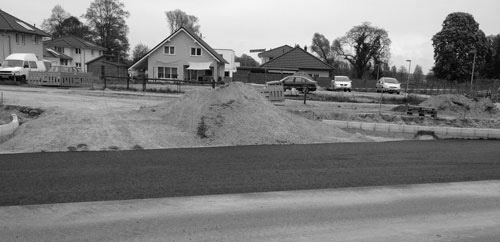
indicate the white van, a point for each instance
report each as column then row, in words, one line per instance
column 17, row 66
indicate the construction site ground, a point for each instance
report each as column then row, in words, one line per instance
column 80, row 119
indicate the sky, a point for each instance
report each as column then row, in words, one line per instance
column 265, row 24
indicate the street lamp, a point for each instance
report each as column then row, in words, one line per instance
column 408, row 80
column 473, row 64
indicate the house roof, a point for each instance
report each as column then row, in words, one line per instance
column 48, row 52
column 11, row 23
column 71, row 41
column 194, row 36
column 297, row 58
column 275, row 52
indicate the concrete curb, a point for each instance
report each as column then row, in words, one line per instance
column 6, row 130
column 439, row 131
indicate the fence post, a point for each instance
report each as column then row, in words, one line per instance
column 143, row 83
column 128, row 81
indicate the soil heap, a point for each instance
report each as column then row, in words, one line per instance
column 460, row 105
column 237, row 114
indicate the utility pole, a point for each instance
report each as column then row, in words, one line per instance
column 473, row 64
column 408, row 80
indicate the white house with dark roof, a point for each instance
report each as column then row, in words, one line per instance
column 80, row 51
column 182, row 56
column 17, row 36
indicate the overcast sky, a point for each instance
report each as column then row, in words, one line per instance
column 244, row 25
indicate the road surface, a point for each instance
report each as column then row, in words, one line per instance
column 457, row 212
column 56, row 177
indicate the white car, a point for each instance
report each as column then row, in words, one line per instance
column 341, row 83
column 388, row 84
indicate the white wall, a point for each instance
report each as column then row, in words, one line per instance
column 229, row 56
column 8, row 45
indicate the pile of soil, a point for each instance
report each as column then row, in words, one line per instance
column 237, row 114
column 460, row 105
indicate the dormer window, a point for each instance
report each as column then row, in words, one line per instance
column 195, row 51
column 169, row 50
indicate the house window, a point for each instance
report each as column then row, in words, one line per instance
column 92, row 52
column 195, row 51
column 167, row 72
column 78, row 51
column 78, row 64
column 35, row 39
column 64, row 62
column 18, row 38
column 60, row 49
column 169, row 50
column 23, row 40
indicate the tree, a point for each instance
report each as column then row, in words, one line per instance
column 370, row 45
column 140, row 50
column 106, row 19
column 394, row 71
column 492, row 65
column 246, row 60
column 178, row 18
column 53, row 24
column 321, row 46
column 73, row 26
column 459, row 42
column 418, row 74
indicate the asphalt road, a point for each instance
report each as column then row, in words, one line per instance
column 41, row 178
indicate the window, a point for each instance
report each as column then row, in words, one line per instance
column 78, row 51
column 35, row 39
column 23, row 40
column 18, row 38
column 33, row 65
column 78, row 64
column 167, row 72
column 92, row 52
column 169, row 50
column 60, row 49
column 195, row 51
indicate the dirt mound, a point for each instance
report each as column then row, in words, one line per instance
column 237, row 114
column 462, row 105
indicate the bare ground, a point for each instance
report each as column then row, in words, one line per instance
column 79, row 119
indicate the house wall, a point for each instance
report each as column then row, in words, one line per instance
column 181, row 58
column 109, row 70
column 8, row 45
column 85, row 56
column 317, row 73
column 229, row 56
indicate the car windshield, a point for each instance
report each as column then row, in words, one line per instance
column 342, row 79
column 391, row 80
column 12, row 63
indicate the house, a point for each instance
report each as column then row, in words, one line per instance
column 80, row 51
column 108, row 65
column 230, row 57
column 182, row 56
column 273, row 53
column 55, row 57
column 298, row 59
column 17, row 36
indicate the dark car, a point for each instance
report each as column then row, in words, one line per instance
column 299, row 81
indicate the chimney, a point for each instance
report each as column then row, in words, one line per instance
column 305, row 47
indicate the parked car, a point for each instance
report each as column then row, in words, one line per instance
column 341, row 83
column 388, row 84
column 299, row 81
column 17, row 66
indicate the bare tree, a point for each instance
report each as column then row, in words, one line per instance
column 53, row 25
column 178, row 18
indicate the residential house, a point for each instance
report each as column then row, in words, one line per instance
column 55, row 57
column 230, row 57
column 182, row 56
column 273, row 53
column 17, row 36
column 298, row 59
column 80, row 51
column 108, row 65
